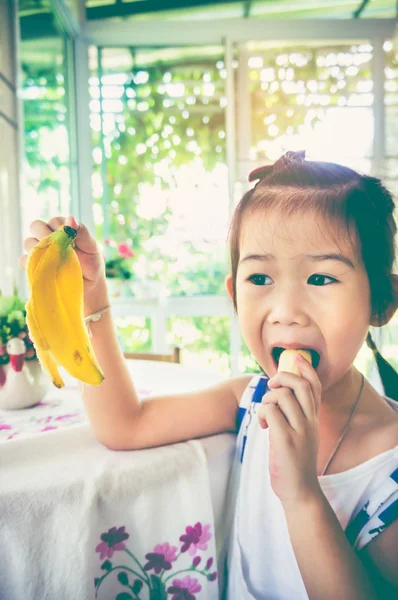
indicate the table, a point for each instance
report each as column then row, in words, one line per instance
column 79, row 521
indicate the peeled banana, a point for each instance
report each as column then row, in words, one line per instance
column 54, row 311
column 287, row 361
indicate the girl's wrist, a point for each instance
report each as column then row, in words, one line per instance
column 312, row 500
column 97, row 299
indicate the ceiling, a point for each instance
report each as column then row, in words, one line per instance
column 37, row 18
column 100, row 9
column 122, row 9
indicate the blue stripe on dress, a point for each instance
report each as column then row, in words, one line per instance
column 370, row 522
column 354, row 527
column 258, row 394
column 239, row 416
column 390, row 514
column 394, row 475
column 260, row 390
column 257, row 397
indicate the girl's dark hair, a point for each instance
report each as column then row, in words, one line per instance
column 358, row 204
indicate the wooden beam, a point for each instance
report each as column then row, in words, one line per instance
column 37, row 26
column 246, row 9
column 212, row 31
column 357, row 13
column 129, row 9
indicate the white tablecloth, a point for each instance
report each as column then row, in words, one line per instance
column 78, row 521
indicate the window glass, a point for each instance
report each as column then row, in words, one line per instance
column 46, row 182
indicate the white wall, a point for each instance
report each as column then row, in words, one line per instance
column 9, row 164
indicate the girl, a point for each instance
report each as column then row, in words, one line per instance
column 316, row 476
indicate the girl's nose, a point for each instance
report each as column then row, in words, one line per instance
column 288, row 308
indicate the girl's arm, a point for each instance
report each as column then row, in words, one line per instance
column 121, row 422
column 380, row 558
column 329, row 566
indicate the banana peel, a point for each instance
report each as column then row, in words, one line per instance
column 54, row 311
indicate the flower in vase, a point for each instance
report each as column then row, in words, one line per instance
column 13, row 325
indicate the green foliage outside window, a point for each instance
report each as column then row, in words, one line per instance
column 150, row 121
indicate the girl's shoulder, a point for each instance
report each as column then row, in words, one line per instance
column 240, row 385
column 252, row 388
column 377, row 425
column 392, row 404
column 385, row 430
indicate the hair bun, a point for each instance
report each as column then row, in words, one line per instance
column 291, row 156
column 260, row 172
column 287, row 159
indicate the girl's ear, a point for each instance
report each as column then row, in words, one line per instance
column 229, row 286
column 390, row 310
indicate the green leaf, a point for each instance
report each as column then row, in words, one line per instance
column 6, row 305
column 124, row 596
column 137, row 586
column 16, row 316
column 106, row 566
column 122, row 577
column 4, row 334
column 158, row 590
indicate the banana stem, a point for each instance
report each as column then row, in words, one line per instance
column 70, row 232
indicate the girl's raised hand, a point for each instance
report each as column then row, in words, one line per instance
column 87, row 250
column 290, row 410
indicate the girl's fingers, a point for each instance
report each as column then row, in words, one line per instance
column 287, row 404
column 84, row 241
column 276, row 421
column 309, row 373
column 261, row 417
column 71, row 221
column 301, row 388
column 29, row 243
column 22, row 261
column 40, row 229
column 55, row 223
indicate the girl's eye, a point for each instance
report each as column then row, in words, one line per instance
column 320, row 280
column 259, row 279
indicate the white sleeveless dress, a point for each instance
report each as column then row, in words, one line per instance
column 261, row 561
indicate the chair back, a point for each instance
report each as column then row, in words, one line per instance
column 174, row 357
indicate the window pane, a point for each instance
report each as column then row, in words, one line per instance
column 134, row 333
column 159, row 151
column 46, row 181
column 316, row 97
column 204, row 340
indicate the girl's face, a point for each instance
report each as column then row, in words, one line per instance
column 297, row 287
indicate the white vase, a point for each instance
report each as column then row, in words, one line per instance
column 25, row 388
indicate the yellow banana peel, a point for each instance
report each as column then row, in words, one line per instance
column 54, row 311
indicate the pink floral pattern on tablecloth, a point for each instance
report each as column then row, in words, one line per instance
column 59, row 409
column 157, row 577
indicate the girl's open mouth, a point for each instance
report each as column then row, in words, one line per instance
column 277, row 351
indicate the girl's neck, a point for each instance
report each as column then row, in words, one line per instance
column 340, row 397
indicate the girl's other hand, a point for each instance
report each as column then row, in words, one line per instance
column 290, row 410
column 87, row 250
